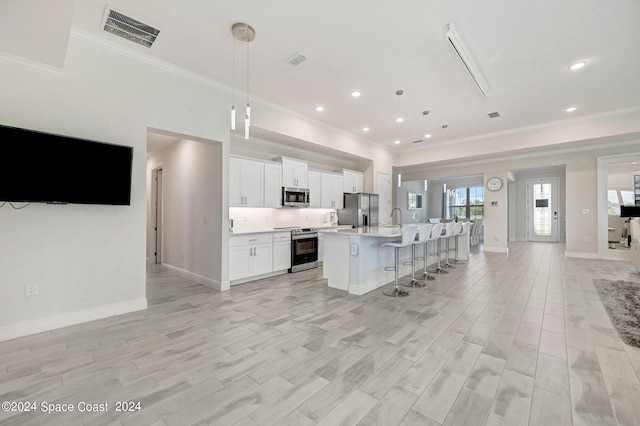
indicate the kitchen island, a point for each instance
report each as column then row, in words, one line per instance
column 354, row 259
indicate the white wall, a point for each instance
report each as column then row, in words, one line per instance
column 191, row 209
column 89, row 261
column 581, row 191
column 411, row 216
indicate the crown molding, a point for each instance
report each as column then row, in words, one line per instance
column 29, row 64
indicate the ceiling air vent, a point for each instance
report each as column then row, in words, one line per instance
column 494, row 114
column 129, row 28
column 296, row 59
column 418, row 141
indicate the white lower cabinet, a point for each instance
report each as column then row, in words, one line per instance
column 254, row 256
column 250, row 255
column 281, row 251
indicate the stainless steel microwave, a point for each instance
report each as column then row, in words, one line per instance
column 295, row 197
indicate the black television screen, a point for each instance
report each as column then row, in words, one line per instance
column 629, row 211
column 45, row 168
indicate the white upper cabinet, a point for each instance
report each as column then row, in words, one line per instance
column 314, row 187
column 331, row 194
column 353, row 181
column 273, row 185
column 246, row 182
column 294, row 173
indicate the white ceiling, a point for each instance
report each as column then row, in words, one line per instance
column 522, row 49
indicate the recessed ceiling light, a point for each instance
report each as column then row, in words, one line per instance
column 571, row 109
column 428, row 135
column 356, row 93
column 399, row 120
column 396, row 142
column 365, row 129
column 319, row 108
column 634, row 163
column 577, row 65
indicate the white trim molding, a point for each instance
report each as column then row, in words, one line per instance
column 581, row 255
column 200, row 279
column 69, row 319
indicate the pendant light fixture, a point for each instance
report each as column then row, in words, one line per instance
column 399, row 119
column 245, row 33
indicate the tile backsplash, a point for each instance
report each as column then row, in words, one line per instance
column 246, row 219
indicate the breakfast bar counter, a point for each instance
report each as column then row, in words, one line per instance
column 354, row 260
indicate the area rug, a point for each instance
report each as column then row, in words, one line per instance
column 621, row 299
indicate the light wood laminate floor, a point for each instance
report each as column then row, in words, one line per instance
column 511, row 339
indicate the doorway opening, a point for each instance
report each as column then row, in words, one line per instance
column 156, row 214
column 542, row 210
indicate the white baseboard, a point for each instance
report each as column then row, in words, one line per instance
column 581, row 255
column 209, row 282
column 72, row 318
column 490, row 249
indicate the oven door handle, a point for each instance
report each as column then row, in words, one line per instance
column 304, row 236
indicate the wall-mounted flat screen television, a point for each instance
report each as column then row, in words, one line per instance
column 45, row 168
column 629, row 211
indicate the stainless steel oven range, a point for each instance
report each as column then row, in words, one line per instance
column 304, row 249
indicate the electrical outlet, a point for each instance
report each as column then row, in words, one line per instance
column 586, row 239
column 31, row 290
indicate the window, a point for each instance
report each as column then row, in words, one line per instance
column 614, row 197
column 466, row 202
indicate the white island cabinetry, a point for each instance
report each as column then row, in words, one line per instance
column 354, row 259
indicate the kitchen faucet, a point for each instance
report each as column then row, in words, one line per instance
column 399, row 215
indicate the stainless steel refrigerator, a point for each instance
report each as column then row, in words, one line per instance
column 360, row 209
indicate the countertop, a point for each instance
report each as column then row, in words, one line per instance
column 385, row 231
column 247, row 231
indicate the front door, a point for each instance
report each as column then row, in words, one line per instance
column 542, row 206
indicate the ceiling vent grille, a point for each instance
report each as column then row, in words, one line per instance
column 494, row 114
column 417, row 141
column 129, row 28
column 296, row 59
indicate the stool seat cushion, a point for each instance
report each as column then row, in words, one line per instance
column 408, row 236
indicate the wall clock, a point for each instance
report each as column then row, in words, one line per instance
column 494, row 184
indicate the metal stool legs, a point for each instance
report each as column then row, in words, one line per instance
column 395, row 291
column 414, row 281
column 439, row 269
column 456, row 260
column 426, row 275
column 447, row 264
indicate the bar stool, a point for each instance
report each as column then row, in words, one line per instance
column 449, row 230
column 408, row 236
column 436, row 233
column 464, row 230
column 457, row 228
column 423, row 235
column 436, row 230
